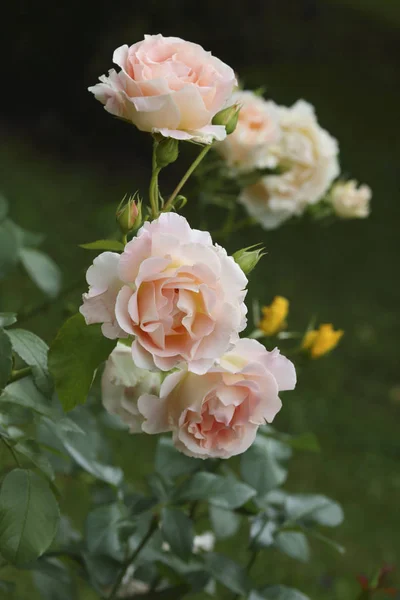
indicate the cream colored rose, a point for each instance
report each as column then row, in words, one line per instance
column 350, row 201
column 257, row 130
column 123, row 383
column 168, row 85
column 217, row 414
column 309, row 156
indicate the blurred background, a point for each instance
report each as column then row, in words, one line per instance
column 65, row 164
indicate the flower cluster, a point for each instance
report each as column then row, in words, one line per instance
column 305, row 156
column 175, row 299
column 179, row 300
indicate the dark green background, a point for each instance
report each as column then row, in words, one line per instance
column 65, row 164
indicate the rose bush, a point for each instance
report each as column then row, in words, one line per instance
column 168, row 85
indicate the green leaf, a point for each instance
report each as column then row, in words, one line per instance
column 30, row 450
column 294, row 544
column 313, row 508
column 227, row 572
column 216, row 489
column 281, row 592
column 112, row 245
column 9, row 246
column 170, row 463
column 33, row 351
column 42, row 270
column 74, row 356
column 53, row 580
column 262, row 532
column 177, row 529
column 102, row 530
column 225, row 523
column 29, row 516
column 6, row 360
column 261, row 465
column 80, row 449
column 24, row 393
column 7, row 318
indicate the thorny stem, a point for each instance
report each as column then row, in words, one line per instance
column 193, row 166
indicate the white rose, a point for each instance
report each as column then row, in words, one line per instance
column 257, row 130
column 309, row 156
column 350, row 201
column 123, row 383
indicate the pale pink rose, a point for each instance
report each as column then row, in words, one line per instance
column 99, row 303
column 249, row 147
column 217, row 414
column 309, row 156
column 123, row 383
column 350, row 201
column 182, row 298
column 168, row 85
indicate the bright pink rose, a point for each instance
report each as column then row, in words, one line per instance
column 169, row 86
column 217, row 414
column 99, row 303
column 182, row 297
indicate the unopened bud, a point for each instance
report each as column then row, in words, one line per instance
column 247, row 258
column 166, row 152
column 129, row 214
column 228, row 117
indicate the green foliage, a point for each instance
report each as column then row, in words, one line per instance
column 33, row 351
column 29, row 516
column 42, row 270
column 103, row 530
column 74, row 356
column 6, row 361
column 294, row 544
column 24, row 393
column 228, row 572
column 216, row 489
column 261, row 466
column 110, row 245
column 177, row 529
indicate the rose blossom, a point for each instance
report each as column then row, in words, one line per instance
column 350, row 201
column 168, row 85
column 99, row 303
column 217, row 414
column 248, row 147
column 309, row 156
column 123, row 383
column 180, row 296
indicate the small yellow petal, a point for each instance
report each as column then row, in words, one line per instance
column 322, row 340
column 274, row 316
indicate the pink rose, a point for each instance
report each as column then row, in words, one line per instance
column 169, row 86
column 182, row 297
column 217, row 414
column 249, row 147
column 99, row 303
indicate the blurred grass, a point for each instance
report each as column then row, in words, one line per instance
column 346, row 274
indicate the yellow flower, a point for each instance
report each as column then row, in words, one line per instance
column 274, row 316
column 322, row 340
